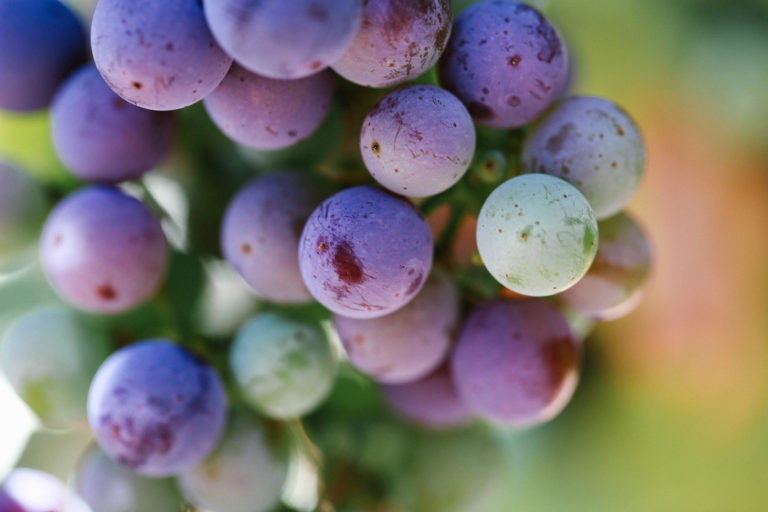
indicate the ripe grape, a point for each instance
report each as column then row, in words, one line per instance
column 157, row 55
column 365, row 253
column 592, row 144
column 107, row 486
column 156, row 408
column 49, row 356
column 31, row 490
column 261, row 229
column 284, row 39
column 103, row 250
column 505, row 61
column 22, row 210
column 398, row 41
column 516, row 362
column 41, row 42
column 616, row 281
column 537, row 235
column 408, row 344
column 100, row 137
column 431, row 401
column 285, row 368
column 264, row 113
column 245, row 473
column 418, row 140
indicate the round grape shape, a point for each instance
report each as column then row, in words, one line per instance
column 537, row 235
column 101, row 137
column 49, row 356
column 365, row 253
column 284, row 39
column 261, row 230
column 22, row 211
column 516, row 362
column 245, row 473
column 616, row 281
column 398, row 41
column 418, row 141
column 264, row 113
column 41, row 42
column 505, row 61
column 156, row 408
column 285, row 368
column 157, row 55
column 409, row 343
column 592, row 144
column 103, row 251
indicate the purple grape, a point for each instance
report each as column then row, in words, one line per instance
column 101, row 137
column 409, row 343
column 516, row 362
column 592, row 144
column 398, row 41
column 41, row 42
column 418, row 140
column 505, row 61
column 157, row 55
column 365, row 253
column 284, row 39
column 156, row 408
column 431, row 401
column 270, row 114
column 22, row 210
column 30, row 490
column 103, row 251
column 617, row 279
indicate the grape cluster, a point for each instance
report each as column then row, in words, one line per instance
column 353, row 212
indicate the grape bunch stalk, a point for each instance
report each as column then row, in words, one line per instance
column 427, row 223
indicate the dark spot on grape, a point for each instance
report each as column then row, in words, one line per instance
column 524, row 236
column 375, row 148
column 318, row 12
column 613, row 164
column 246, row 248
column 397, row 170
column 514, row 61
column 106, row 292
column 169, row 47
column 513, row 101
column 316, row 65
column 291, row 133
column 550, row 47
column 137, row 85
column 485, row 90
column 359, row 340
column 414, row 286
column 322, row 246
column 348, row 267
column 555, row 143
column 57, row 240
column 480, row 111
column 565, row 196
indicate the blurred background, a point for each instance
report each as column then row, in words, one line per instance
column 672, row 409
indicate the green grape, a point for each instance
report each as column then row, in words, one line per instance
column 22, row 209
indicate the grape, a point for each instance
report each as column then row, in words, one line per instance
column 270, row 114
column 537, row 235
column 592, row 144
column 103, row 250
column 100, row 137
column 30, row 490
column 261, row 229
column 418, row 140
column 49, row 356
column 491, row 167
column 516, row 362
column 616, row 281
column 157, row 55
column 245, row 473
column 284, row 39
column 41, row 42
column 156, row 408
column 365, row 253
column 505, row 61
column 431, row 401
column 398, row 41
column 110, row 487
column 409, row 343
column 284, row 368
column 22, row 210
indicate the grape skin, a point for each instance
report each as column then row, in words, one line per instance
column 418, row 141
column 101, row 137
column 505, row 61
column 283, row 39
column 156, row 408
column 365, row 253
column 592, row 144
column 42, row 42
column 398, row 41
column 409, row 343
column 264, row 113
column 261, row 229
column 103, row 251
column 516, row 362
column 537, row 235
column 157, row 55
column 22, row 211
